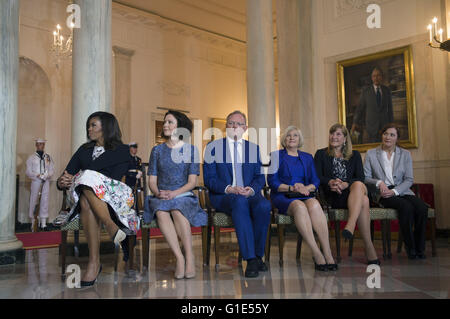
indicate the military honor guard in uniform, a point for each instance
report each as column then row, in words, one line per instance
column 40, row 168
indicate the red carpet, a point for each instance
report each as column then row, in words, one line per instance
column 40, row 239
column 53, row 238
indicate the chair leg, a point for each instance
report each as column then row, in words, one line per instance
column 433, row 236
column 399, row 241
column 131, row 242
column 63, row 251
column 217, row 244
column 267, row 250
column 145, row 248
column 239, row 259
column 281, row 243
column 350, row 247
column 299, row 247
column 208, row 244
column 384, row 224
column 116, row 256
column 372, row 229
column 76, row 243
column 337, row 236
column 204, row 244
column 388, row 239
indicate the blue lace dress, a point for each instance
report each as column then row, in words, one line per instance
column 173, row 167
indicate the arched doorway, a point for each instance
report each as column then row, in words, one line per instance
column 34, row 97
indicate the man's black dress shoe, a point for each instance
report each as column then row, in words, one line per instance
column 411, row 256
column 421, row 256
column 261, row 265
column 252, row 268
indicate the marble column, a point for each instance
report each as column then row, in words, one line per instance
column 260, row 71
column 11, row 249
column 122, row 63
column 295, row 66
column 91, row 75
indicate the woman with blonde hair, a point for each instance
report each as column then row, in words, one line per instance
column 295, row 173
column 341, row 173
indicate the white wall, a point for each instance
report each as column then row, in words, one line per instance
column 174, row 65
column 341, row 33
column 178, row 66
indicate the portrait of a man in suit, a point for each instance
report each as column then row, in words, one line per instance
column 374, row 90
column 374, row 109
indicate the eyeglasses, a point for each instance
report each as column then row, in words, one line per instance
column 230, row 123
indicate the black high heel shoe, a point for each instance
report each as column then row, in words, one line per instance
column 374, row 262
column 320, row 267
column 332, row 267
column 92, row 282
column 347, row 234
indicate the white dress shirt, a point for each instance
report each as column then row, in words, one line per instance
column 388, row 165
column 239, row 155
column 240, row 142
column 375, row 88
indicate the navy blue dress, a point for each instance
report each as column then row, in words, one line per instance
column 291, row 170
column 173, row 167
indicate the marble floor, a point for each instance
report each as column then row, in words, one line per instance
column 400, row 278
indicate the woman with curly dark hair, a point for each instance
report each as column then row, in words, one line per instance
column 97, row 195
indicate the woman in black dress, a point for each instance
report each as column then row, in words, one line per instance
column 341, row 174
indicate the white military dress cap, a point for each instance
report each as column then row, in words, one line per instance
column 40, row 140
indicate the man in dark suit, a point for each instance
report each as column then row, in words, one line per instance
column 134, row 170
column 374, row 110
column 132, row 179
column 232, row 173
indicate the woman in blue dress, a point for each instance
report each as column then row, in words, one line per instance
column 174, row 167
column 294, row 171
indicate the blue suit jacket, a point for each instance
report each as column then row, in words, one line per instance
column 282, row 175
column 218, row 168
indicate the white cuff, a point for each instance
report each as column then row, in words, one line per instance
column 395, row 191
column 253, row 192
column 378, row 183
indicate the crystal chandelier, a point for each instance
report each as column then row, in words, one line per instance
column 436, row 36
column 61, row 48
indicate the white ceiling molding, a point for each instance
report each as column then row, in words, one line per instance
column 154, row 21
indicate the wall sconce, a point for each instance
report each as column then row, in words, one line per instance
column 436, row 36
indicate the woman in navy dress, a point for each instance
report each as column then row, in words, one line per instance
column 295, row 172
column 174, row 167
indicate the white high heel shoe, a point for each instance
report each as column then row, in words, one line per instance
column 119, row 237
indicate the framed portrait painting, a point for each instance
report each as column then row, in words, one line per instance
column 374, row 90
column 221, row 124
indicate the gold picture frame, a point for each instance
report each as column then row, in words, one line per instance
column 354, row 80
column 221, row 124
